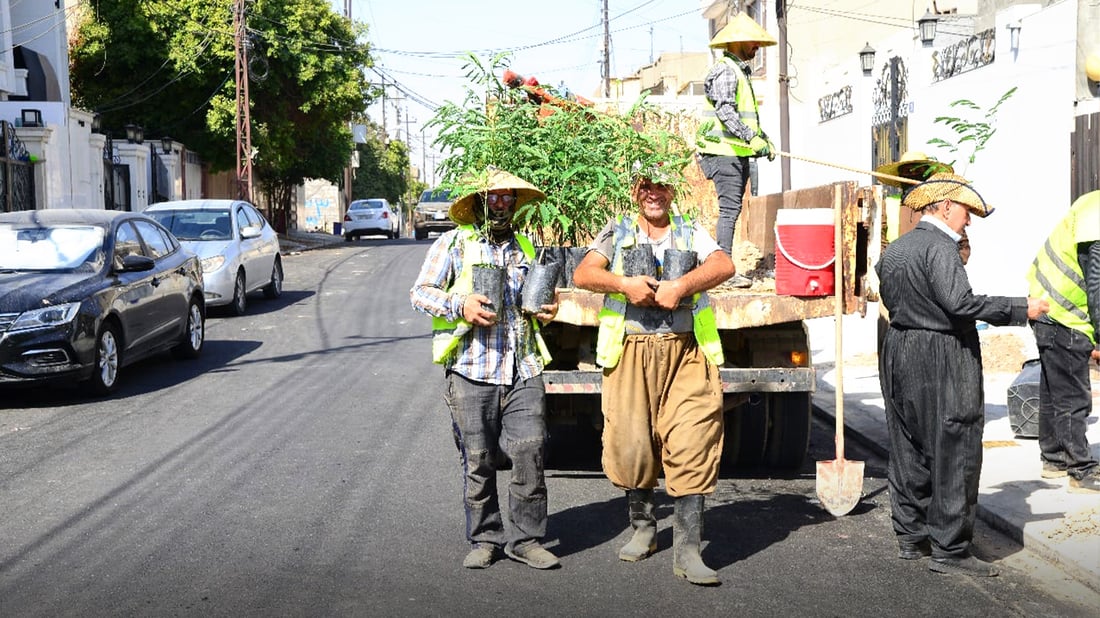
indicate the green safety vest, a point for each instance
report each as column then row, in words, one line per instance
column 446, row 334
column 1056, row 274
column 612, row 317
column 713, row 137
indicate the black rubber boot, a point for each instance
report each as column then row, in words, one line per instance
column 687, row 534
column 644, row 522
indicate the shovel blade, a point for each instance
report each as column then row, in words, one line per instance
column 839, row 485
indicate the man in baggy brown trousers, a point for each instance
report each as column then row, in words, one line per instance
column 662, row 392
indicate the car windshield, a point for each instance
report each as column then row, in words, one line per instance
column 58, row 247
column 437, row 196
column 191, row 225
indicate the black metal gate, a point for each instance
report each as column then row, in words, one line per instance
column 1085, row 153
column 116, row 179
column 890, row 124
column 16, row 172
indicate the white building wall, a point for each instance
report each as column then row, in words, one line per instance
column 1024, row 169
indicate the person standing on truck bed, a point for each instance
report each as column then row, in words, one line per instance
column 930, row 370
column 730, row 134
column 662, row 393
column 494, row 361
column 1067, row 272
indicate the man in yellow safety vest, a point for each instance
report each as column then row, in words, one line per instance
column 1067, row 274
column 494, row 362
column 730, row 134
column 662, row 392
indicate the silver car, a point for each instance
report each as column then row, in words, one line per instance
column 372, row 216
column 238, row 248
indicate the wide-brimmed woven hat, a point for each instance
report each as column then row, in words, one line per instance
column 945, row 186
column 742, row 29
column 912, row 164
column 492, row 179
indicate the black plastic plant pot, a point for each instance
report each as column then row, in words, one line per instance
column 573, row 257
column 490, row 280
column 677, row 263
column 639, row 261
column 538, row 286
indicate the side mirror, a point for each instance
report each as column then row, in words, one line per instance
column 136, row 263
column 250, row 231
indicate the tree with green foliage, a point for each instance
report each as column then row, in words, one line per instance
column 582, row 159
column 168, row 65
column 971, row 134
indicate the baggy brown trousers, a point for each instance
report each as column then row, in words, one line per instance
column 662, row 406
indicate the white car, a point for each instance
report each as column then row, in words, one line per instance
column 238, row 248
column 372, row 216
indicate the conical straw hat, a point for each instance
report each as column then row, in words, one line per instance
column 742, row 29
column 462, row 210
column 912, row 164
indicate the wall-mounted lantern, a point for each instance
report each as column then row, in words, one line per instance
column 867, row 59
column 166, row 144
column 1014, row 35
column 97, row 123
column 135, row 134
column 927, row 25
column 31, row 117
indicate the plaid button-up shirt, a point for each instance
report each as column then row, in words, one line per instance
column 503, row 353
column 720, row 87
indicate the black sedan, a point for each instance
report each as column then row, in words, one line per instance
column 84, row 293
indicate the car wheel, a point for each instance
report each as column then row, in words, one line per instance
column 347, row 237
column 240, row 295
column 190, row 345
column 275, row 288
column 108, row 359
column 420, row 234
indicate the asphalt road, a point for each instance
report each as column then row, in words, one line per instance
column 304, row 466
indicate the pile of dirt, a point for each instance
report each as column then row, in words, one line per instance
column 1002, row 352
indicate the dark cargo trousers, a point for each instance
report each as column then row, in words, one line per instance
column 491, row 421
column 1065, row 397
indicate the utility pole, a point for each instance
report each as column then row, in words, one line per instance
column 347, row 169
column 606, row 54
column 244, row 123
column 784, row 95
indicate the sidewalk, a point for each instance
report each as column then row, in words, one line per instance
column 296, row 241
column 1038, row 513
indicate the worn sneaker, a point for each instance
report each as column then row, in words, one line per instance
column 738, row 281
column 1088, row 484
column 481, row 556
column 914, row 551
column 969, row 565
column 533, row 555
column 1052, row 470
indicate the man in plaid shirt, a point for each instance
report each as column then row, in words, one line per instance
column 493, row 363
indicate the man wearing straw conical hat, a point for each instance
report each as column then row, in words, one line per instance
column 730, row 134
column 493, row 357
column 930, row 370
column 914, row 165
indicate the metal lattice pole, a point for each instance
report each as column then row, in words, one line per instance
column 244, row 124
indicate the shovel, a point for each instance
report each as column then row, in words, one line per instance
column 839, row 481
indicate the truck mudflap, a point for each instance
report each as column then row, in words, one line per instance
column 734, row 380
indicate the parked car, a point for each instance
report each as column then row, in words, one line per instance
column 84, row 293
column 371, row 216
column 238, row 248
column 431, row 213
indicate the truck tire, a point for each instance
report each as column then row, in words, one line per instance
column 746, row 434
column 789, row 430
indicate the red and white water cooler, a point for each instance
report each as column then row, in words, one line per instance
column 804, row 252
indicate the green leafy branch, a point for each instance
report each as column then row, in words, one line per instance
column 969, row 133
column 580, row 157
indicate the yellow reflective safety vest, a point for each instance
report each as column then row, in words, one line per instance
column 1056, row 274
column 713, row 137
column 446, row 334
column 609, row 340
